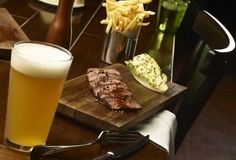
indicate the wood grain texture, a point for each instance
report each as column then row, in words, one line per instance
column 10, row 32
column 78, row 102
column 8, row 154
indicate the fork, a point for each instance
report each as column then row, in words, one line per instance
column 104, row 138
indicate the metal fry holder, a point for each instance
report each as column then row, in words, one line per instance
column 119, row 46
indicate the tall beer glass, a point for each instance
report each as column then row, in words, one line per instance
column 37, row 75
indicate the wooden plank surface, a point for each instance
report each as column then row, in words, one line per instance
column 9, row 154
column 10, row 32
column 78, row 102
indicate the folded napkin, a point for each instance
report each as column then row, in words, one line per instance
column 162, row 129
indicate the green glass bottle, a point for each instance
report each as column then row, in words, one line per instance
column 171, row 14
column 162, row 50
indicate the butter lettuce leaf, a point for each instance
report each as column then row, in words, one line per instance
column 147, row 72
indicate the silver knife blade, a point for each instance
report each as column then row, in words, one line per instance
column 120, row 152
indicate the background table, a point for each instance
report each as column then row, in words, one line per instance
column 34, row 19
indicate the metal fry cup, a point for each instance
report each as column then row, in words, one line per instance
column 119, row 46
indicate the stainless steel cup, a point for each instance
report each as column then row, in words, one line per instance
column 119, row 46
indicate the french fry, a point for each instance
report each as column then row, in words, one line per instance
column 145, row 1
column 109, row 26
column 143, row 24
column 125, row 15
column 132, row 24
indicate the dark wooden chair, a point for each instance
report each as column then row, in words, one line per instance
column 204, row 69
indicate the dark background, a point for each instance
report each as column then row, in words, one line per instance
column 223, row 10
column 212, row 136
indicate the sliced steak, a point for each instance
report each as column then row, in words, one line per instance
column 108, row 87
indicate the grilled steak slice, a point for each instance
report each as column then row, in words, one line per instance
column 107, row 86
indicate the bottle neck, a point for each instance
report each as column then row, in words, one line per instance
column 65, row 8
column 60, row 31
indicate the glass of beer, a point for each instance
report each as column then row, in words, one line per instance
column 171, row 15
column 37, row 75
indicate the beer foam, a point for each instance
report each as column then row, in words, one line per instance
column 39, row 60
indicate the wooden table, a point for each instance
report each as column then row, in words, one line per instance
column 34, row 19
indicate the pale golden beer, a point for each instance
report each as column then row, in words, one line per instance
column 37, row 75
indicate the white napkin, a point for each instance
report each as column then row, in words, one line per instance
column 161, row 129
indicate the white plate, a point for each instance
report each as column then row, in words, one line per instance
column 77, row 3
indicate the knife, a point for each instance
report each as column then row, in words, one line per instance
column 120, row 152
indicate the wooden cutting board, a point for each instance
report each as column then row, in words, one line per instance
column 10, row 32
column 78, row 102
